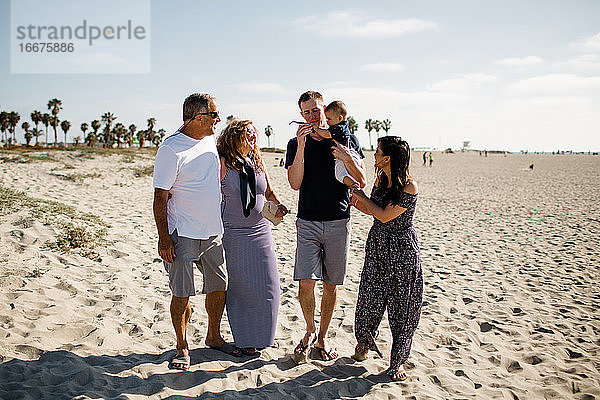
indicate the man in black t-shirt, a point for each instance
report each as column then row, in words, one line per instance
column 323, row 224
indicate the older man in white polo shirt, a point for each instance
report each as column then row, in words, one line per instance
column 187, row 212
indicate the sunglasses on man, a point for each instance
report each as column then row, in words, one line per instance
column 212, row 114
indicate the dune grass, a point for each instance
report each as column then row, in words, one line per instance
column 24, row 158
column 78, row 232
column 77, row 177
column 143, row 171
column 23, row 154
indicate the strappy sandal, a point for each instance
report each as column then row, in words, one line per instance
column 360, row 353
column 180, row 362
column 228, row 348
column 248, row 351
column 326, row 355
column 302, row 348
column 398, row 376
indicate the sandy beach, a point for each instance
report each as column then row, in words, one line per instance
column 510, row 260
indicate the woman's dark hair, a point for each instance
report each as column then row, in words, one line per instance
column 399, row 152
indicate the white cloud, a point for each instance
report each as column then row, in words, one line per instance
column 547, row 123
column 554, row 84
column 463, row 84
column 382, row 67
column 591, row 43
column 582, row 63
column 444, row 118
column 353, row 23
column 520, row 62
column 550, row 103
column 260, row 87
column 382, row 100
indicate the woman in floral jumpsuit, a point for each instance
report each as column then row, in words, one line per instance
column 392, row 276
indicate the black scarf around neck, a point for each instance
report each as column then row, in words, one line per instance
column 247, row 187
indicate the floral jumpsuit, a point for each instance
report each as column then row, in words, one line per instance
column 392, row 279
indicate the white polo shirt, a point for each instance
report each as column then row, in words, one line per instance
column 190, row 170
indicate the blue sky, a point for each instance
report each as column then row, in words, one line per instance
column 507, row 75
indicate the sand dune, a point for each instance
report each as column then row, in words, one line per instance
column 510, row 258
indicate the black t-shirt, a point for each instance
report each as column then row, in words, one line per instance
column 322, row 197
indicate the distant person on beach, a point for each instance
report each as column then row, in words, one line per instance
column 186, row 175
column 424, row 158
column 391, row 277
column 335, row 114
column 253, row 291
column 430, row 158
column 323, row 224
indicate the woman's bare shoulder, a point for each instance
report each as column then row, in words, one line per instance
column 411, row 187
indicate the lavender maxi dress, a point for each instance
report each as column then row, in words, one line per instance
column 253, row 292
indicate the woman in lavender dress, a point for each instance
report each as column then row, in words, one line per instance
column 253, row 288
column 391, row 278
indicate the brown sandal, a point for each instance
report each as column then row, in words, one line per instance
column 249, row 351
column 180, row 361
column 326, row 355
column 360, row 353
column 399, row 375
column 301, row 350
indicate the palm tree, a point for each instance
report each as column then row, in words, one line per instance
column 13, row 121
column 150, row 130
column 46, row 122
column 119, row 132
column 131, row 134
column 54, row 121
column 36, row 132
column 268, row 133
column 36, row 117
column 157, row 139
column 141, row 137
column 92, row 138
column 369, row 126
column 84, row 127
column 77, row 139
column 352, row 125
column 65, row 126
column 28, row 135
column 108, row 119
column 96, row 125
column 55, row 105
column 386, row 124
column 377, row 127
column 3, row 125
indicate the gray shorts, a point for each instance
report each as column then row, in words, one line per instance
column 207, row 255
column 322, row 250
